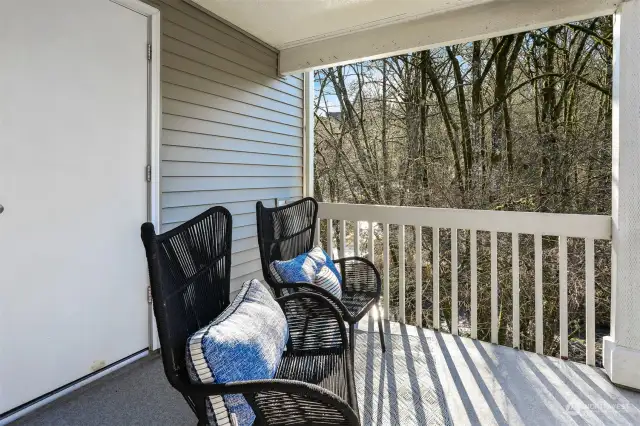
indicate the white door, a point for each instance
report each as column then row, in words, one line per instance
column 73, row 150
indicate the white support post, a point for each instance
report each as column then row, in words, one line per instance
column 621, row 352
column 308, row 152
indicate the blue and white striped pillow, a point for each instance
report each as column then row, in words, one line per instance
column 328, row 280
column 245, row 342
column 300, row 269
column 314, row 267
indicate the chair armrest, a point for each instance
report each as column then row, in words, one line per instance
column 315, row 324
column 312, row 288
column 276, row 400
column 304, row 286
column 359, row 275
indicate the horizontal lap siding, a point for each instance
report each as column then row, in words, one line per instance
column 232, row 128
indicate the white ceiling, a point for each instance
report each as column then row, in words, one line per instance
column 312, row 34
column 288, row 23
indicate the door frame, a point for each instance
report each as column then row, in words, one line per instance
column 154, row 129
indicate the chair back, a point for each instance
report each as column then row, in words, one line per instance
column 285, row 232
column 189, row 269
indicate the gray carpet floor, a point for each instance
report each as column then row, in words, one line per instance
column 424, row 378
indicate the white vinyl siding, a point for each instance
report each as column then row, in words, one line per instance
column 232, row 129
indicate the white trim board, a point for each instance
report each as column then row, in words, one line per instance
column 567, row 225
column 154, row 129
column 486, row 20
column 309, row 120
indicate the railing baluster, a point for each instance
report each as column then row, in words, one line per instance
column 588, row 227
column 454, row 281
column 436, row 278
column 538, row 293
column 330, row 237
column 370, row 255
column 494, row 287
column 564, row 316
column 474, row 284
column 515, row 274
column 343, row 238
column 385, row 260
column 401, row 296
column 419, row 276
column 590, row 303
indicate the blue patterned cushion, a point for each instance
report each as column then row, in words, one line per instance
column 245, row 342
column 314, row 267
column 300, row 269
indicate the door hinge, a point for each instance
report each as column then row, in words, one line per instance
column 149, row 299
column 148, row 173
column 148, row 51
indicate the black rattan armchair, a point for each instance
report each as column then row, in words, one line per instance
column 287, row 231
column 190, row 267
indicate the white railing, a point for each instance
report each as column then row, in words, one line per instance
column 563, row 226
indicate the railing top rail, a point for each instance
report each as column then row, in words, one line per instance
column 566, row 225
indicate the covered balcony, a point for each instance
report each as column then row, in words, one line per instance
column 230, row 98
column 427, row 376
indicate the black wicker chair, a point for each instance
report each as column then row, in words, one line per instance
column 287, row 231
column 189, row 267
